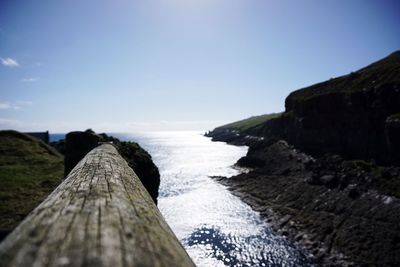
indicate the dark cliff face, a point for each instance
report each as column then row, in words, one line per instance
column 356, row 115
column 78, row 144
column 326, row 184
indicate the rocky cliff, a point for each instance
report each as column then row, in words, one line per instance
column 356, row 115
column 326, row 172
column 353, row 115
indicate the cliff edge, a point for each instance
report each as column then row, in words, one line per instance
column 326, row 171
column 355, row 115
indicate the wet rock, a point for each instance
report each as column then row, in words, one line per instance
column 285, row 233
column 339, row 224
column 392, row 132
column 284, row 220
column 327, row 179
column 250, row 162
column 298, row 237
column 354, row 192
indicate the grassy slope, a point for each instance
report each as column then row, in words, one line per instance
column 252, row 122
column 384, row 71
column 29, row 171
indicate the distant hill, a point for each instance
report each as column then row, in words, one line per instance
column 249, row 123
column 29, row 171
column 243, row 132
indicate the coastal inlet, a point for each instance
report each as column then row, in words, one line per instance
column 215, row 227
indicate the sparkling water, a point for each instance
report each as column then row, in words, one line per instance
column 215, row 227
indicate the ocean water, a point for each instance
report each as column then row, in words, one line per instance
column 56, row 137
column 215, row 227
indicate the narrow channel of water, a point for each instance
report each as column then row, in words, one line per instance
column 215, row 227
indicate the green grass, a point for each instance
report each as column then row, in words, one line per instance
column 376, row 76
column 251, row 122
column 29, row 171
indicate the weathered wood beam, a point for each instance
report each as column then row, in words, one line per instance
column 100, row 215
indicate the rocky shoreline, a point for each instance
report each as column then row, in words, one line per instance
column 332, row 207
column 326, row 171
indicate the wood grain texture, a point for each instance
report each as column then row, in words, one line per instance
column 100, row 215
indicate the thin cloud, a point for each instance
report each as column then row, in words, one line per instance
column 6, row 123
column 9, row 123
column 14, row 106
column 5, row 106
column 30, row 80
column 9, row 62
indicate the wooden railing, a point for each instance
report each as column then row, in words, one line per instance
column 100, row 215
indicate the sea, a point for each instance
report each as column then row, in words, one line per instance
column 215, row 227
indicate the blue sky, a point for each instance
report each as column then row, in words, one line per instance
column 176, row 64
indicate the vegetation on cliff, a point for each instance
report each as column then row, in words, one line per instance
column 376, row 76
column 29, row 171
column 353, row 115
column 249, row 123
column 243, row 132
column 326, row 171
